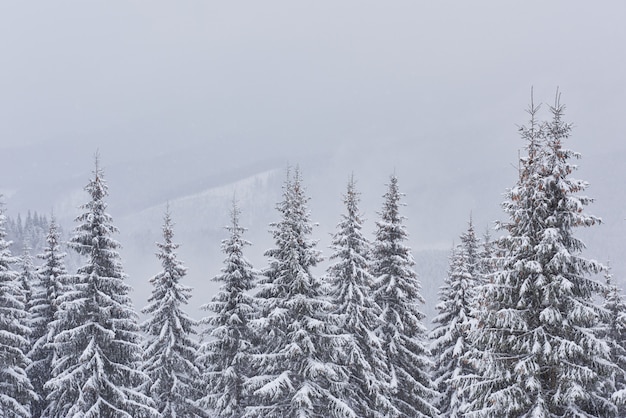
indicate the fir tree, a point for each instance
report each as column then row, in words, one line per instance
column 27, row 276
column 30, row 233
column 16, row 391
column 44, row 306
column 296, row 372
column 230, row 339
column 451, row 343
column 169, row 351
column 539, row 352
column 358, row 315
column 397, row 292
column 615, row 335
column 96, row 371
column 486, row 259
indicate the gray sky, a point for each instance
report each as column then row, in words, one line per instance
column 302, row 75
column 431, row 89
column 405, row 85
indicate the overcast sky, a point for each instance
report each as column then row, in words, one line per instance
column 405, row 83
column 417, row 87
column 433, row 90
column 303, row 75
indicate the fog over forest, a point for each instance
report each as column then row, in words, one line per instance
column 195, row 102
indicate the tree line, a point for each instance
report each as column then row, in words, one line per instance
column 524, row 328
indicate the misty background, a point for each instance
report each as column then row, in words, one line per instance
column 193, row 102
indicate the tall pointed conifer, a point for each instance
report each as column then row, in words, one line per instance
column 397, row 292
column 541, row 356
column 615, row 334
column 170, row 351
column 97, row 369
column 358, row 315
column 451, row 343
column 44, row 306
column 229, row 336
column 27, row 276
column 296, row 370
column 16, row 391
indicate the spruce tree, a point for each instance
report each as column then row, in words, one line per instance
column 29, row 234
column 16, row 390
column 397, row 292
column 229, row 337
column 539, row 353
column 170, row 352
column 296, row 372
column 614, row 334
column 358, row 315
column 451, row 343
column 96, row 372
column 27, row 276
column 44, row 306
column 486, row 259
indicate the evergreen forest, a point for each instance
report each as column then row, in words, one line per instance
column 526, row 324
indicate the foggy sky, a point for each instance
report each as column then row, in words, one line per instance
column 416, row 87
column 303, row 75
column 430, row 90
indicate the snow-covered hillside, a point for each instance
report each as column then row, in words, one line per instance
column 200, row 188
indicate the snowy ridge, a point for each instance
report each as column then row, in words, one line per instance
column 199, row 211
column 199, row 220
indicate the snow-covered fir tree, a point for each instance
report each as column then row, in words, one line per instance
column 487, row 258
column 226, row 351
column 30, row 233
column 538, row 350
column 27, row 275
column 296, row 372
column 397, row 292
column 358, row 315
column 16, row 390
column 170, row 352
column 450, row 336
column 614, row 334
column 44, row 304
column 97, row 367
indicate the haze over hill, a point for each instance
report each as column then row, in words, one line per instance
column 190, row 101
column 200, row 202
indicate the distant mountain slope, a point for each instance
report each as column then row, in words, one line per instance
column 200, row 186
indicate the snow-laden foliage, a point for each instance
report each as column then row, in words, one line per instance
column 486, row 260
column 170, row 352
column 30, row 233
column 295, row 371
column 16, row 391
column 96, row 372
column 536, row 336
column 27, row 276
column 44, row 304
column 397, row 292
column 229, row 338
column 614, row 333
column 358, row 316
column 451, row 344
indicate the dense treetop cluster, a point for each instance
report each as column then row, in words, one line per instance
column 524, row 327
